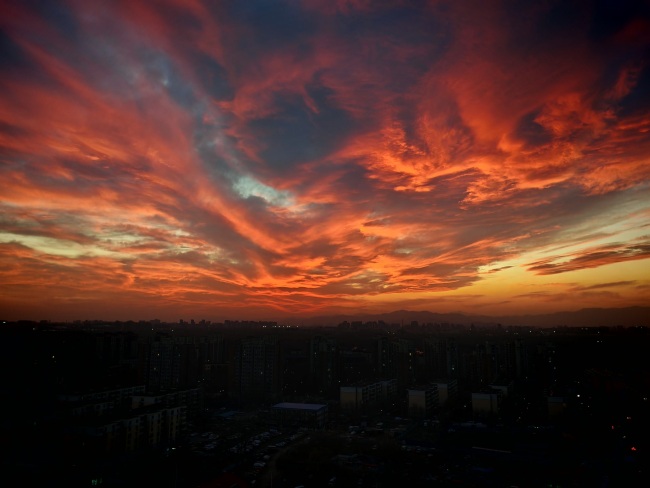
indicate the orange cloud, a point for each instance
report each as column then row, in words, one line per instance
column 275, row 157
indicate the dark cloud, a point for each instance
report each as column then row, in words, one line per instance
column 610, row 18
column 213, row 77
column 591, row 258
column 296, row 133
column 637, row 100
column 12, row 56
column 531, row 132
column 613, row 284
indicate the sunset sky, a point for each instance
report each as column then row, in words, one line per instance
column 267, row 158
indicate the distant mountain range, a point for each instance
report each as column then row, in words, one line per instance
column 594, row 317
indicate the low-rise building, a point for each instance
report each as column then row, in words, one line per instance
column 556, row 405
column 447, row 390
column 486, row 402
column 423, row 401
column 367, row 394
column 504, row 386
column 191, row 399
column 309, row 415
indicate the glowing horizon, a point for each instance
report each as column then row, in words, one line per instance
column 194, row 159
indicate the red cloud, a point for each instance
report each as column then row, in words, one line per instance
column 312, row 157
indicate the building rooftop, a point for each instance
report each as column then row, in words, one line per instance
column 299, row 406
column 362, row 383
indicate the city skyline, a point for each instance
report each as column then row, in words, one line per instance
column 262, row 160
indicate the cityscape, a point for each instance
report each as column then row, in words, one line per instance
column 258, row 403
column 325, row 243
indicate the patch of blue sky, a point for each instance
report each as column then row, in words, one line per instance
column 246, row 187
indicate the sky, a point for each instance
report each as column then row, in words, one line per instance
column 272, row 158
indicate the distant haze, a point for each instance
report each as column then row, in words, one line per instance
column 594, row 317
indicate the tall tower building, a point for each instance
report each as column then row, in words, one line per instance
column 324, row 364
column 162, row 363
column 441, row 358
column 396, row 359
column 257, row 369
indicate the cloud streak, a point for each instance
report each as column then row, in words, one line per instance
column 591, row 258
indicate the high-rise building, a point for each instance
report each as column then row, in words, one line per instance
column 160, row 363
column 257, row 369
column 441, row 358
column 396, row 359
column 324, row 364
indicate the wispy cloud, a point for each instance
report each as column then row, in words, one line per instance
column 591, row 258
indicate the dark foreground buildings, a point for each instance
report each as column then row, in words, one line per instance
column 147, row 404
